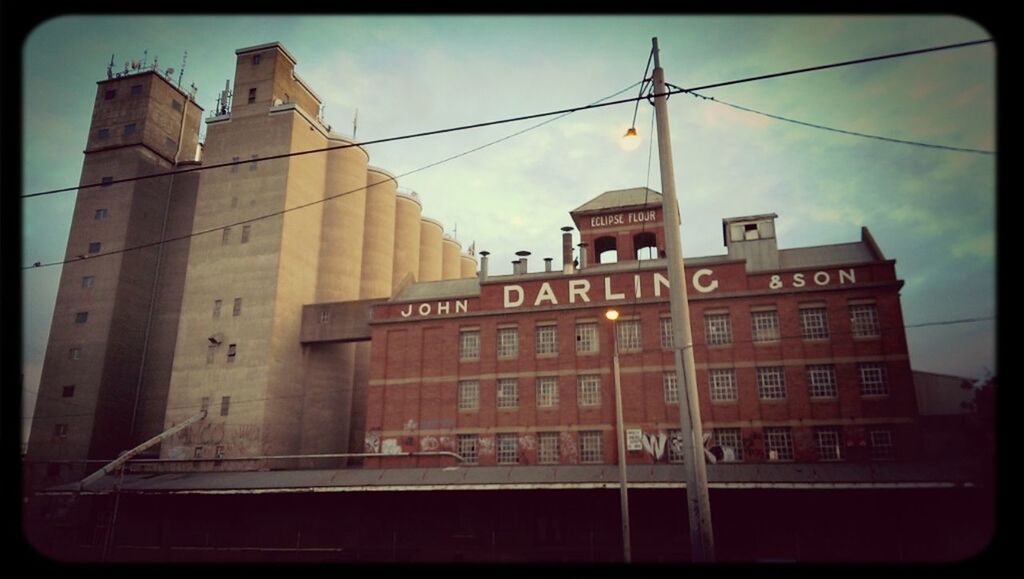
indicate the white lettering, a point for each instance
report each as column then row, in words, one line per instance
column 608, row 295
column 461, row 306
column 424, row 309
column 443, row 308
column 822, row 278
column 701, row 287
column 407, row 312
column 776, row 282
column 579, row 287
column 847, row 275
column 659, row 280
column 798, row 280
column 545, row 294
column 518, row 289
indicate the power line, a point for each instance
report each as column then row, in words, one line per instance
column 516, row 119
column 843, row 131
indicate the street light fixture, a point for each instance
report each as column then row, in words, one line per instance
column 613, row 315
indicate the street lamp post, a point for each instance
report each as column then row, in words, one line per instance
column 613, row 315
column 698, row 506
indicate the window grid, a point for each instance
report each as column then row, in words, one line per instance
column 469, row 445
column 547, row 392
column 591, row 447
column 778, row 444
column 508, row 342
column 586, row 337
column 830, row 443
column 723, row 385
column 252, row 96
column 508, row 449
column 198, row 452
column 547, row 339
column 508, row 393
column 771, row 383
column 881, row 444
column 88, row 281
column 821, row 381
column 589, row 390
column 629, row 335
column 671, row 384
column 469, row 395
column 731, row 438
column 766, row 326
column 717, row 329
column 872, row 380
column 864, row 321
column 675, row 446
column 75, row 354
column 325, row 316
column 665, row 331
column 469, row 345
column 548, row 448
column 225, row 405
column 814, row 323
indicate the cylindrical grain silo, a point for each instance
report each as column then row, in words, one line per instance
column 378, row 235
column 407, row 237
column 450, row 251
column 341, row 240
column 431, row 233
column 467, row 266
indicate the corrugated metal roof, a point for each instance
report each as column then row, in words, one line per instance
column 622, row 198
column 469, row 286
column 856, row 252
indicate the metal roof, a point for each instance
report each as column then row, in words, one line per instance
column 637, row 196
column 822, row 255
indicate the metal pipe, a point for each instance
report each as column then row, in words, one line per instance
column 547, row 263
column 567, row 249
column 583, row 255
column 483, row 265
column 698, row 504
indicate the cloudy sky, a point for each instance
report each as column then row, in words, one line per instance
column 932, row 210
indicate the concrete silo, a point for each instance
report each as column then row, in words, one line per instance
column 378, row 235
column 451, row 249
column 408, row 211
column 467, row 266
column 431, row 234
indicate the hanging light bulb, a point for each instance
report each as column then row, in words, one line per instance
column 630, row 132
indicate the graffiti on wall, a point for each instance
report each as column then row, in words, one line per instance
column 372, row 441
column 567, row 447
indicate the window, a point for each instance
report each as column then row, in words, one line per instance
column 508, row 393
column 68, row 391
column 469, row 395
column 198, row 452
column 508, row 448
column 325, row 316
column 675, row 446
column 225, row 236
column 109, row 94
column 872, row 380
column 821, row 381
column 830, row 443
column 225, row 405
column 101, row 214
column 246, row 230
column 236, row 310
column 671, row 385
column 216, row 308
column 129, row 129
column 766, row 326
column 103, row 134
column 547, row 448
column 468, row 446
column 864, row 321
column 591, row 447
column 255, row 59
column 469, row 345
column 723, row 385
column 547, row 339
column 665, row 329
column 717, row 329
column 814, row 323
column 106, row 182
column 731, row 442
column 881, row 444
column 586, row 337
column 547, row 392
column 88, row 281
column 136, row 90
column 75, row 354
column 234, row 164
column 232, row 350
column 508, row 342
column 588, row 390
column 629, row 335
column 95, row 247
column 60, row 430
column 176, row 104
column 252, row 95
column 253, row 162
column 771, row 383
column 81, row 317
column 211, row 353
column 778, row 445
column 219, row 453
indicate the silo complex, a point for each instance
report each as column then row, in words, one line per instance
column 431, row 234
column 408, row 211
column 451, row 249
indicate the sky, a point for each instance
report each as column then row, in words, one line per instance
column 931, row 210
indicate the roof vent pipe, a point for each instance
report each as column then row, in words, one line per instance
column 515, row 267
column 547, row 263
column 483, row 265
column 583, row 255
column 522, row 261
column 567, row 249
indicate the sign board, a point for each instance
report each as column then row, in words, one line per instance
column 634, row 439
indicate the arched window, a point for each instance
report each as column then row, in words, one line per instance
column 605, row 250
column 646, row 245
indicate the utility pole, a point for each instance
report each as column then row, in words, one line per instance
column 698, row 507
column 627, row 557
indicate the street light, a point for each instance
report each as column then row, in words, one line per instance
column 613, row 315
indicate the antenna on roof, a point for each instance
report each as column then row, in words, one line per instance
column 110, row 68
column 181, row 72
column 355, row 123
column 145, row 58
